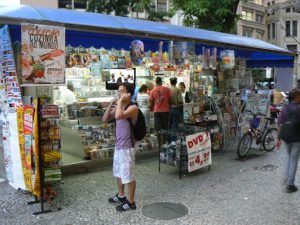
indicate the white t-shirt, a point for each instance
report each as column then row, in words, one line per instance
column 143, row 101
column 68, row 97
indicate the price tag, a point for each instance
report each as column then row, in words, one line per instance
column 199, row 150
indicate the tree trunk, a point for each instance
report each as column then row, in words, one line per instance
column 230, row 19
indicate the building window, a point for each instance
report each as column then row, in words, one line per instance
column 162, row 6
column 287, row 28
column 273, row 30
column 269, row 31
column 288, row 10
column 260, row 34
column 259, row 2
column 295, row 28
column 67, row 4
column 273, row 2
column 246, row 15
column 292, row 48
column 247, row 32
column 259, row 18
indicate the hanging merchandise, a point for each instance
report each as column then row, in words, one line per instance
column 113, row 59
column 206, row 58
column 227, row 59
column 10, row 99
column 160, row 53
column 180, row 51
column 213, row 61
column 105, row 60
column 191, row 54
column 170, row 52
column 25, row 142
column 137, row 52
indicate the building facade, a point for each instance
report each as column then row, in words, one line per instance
column 252, row 22
column 282, row 26
column 34, row 3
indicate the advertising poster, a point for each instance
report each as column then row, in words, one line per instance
column 28, row 119
column 25, row 157
column 199, row 150
column 36, row 177
column 43, row 54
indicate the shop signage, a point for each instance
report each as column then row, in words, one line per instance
column 199, row 150
column 25, row 149
column 43, row 54
column 28, row 119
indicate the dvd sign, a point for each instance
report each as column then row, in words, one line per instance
column 199, row 150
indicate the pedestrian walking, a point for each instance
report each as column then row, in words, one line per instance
column 124, row 155
column 160, row 98
column 143, row 103
column 289, row 132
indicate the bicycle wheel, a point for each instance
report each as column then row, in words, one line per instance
column 244, row 144
column 269, row 140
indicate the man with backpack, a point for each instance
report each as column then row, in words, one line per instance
column 289, row 132
column 127, row 116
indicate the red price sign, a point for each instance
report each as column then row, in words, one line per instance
column 199, row 150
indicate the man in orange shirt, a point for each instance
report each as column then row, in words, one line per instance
column 160, row 98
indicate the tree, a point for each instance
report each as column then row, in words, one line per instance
column 152, row 14
column 217, row 15
column 123, row 7
column 118, row 7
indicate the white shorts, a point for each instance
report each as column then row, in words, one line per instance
column 124, row 165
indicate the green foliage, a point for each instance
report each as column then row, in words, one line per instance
column 123, row 7
column 118, row 7
column 258, row 74
column 217, row 15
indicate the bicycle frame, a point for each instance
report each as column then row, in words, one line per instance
column 254, row 131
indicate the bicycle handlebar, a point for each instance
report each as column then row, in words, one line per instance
column 256, row 114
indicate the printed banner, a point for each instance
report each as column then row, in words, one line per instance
column 36, row 177
column 199, row 150
column 28, row 119
column 10, row 98
column 25, row 154
column 43, row 54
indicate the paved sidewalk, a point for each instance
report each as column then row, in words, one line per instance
column 233, row 192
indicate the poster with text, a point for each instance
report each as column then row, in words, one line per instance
column 28, row 119
column 43, row 54
column 199, row 150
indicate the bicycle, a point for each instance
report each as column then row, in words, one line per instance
column 267, row 137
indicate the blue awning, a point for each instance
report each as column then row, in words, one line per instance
column 100, row 30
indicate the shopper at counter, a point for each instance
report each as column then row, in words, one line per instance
column 150, row 87
column 143, row 102
column 176, row 107
column 67, row 96
column 160, row 98
column 124, row 154
column 185, row 94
